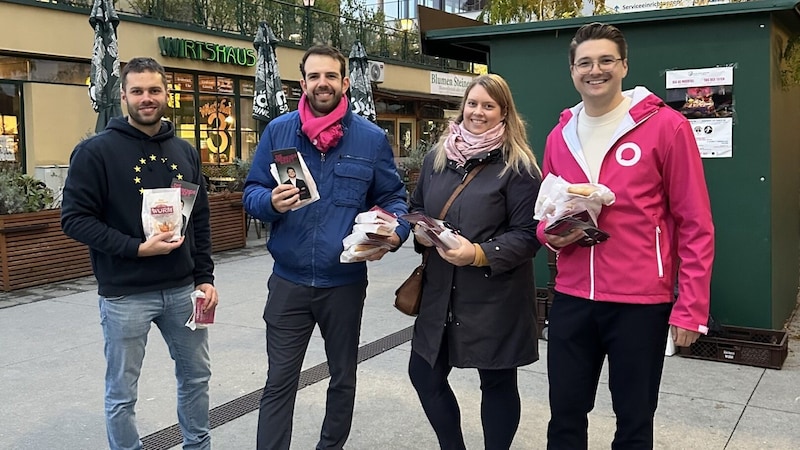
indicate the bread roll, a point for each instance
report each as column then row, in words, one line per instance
column 363, row 248
column 581, row 189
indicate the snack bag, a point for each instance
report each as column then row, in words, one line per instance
column 161, row 212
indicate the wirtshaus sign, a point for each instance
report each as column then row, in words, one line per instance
column 206, row 51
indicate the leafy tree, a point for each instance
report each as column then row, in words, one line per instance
column 517, row 11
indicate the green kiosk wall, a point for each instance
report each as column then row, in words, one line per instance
column 754, row 193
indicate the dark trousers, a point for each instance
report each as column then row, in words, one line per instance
column 500, row 403
column 291, row 313
column 581, row 333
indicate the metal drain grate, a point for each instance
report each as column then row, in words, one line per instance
column 171, row 436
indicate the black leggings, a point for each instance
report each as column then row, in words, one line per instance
column 500, row 404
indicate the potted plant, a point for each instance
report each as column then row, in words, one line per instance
column 33, row 248
column 412, row 163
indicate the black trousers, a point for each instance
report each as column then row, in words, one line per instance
column 581, row 334
column 500, row 403
column 291, row 313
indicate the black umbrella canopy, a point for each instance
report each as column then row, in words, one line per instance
column 104, row 76
column 270, row 101
column 360, row 87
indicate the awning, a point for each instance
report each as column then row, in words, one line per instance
column 433, row 19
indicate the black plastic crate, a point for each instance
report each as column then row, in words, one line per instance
column 741, row 345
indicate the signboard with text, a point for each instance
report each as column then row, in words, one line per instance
column 449, row 84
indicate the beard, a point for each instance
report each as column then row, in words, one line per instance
column 140, row 119
column 325, row 107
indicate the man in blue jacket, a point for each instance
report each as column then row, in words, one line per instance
column 143, row 281
column 352, row 164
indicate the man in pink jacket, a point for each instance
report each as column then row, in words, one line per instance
column 616, row 298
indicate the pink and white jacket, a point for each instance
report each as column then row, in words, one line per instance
column 660, row 224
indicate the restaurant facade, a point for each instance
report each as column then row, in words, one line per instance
column 45, row 110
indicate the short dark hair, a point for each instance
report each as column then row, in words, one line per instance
column 324, row 50
column 140, row 65
column 290, row 168
column 594, row 31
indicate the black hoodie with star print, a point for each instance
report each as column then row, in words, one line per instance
column 102, row 204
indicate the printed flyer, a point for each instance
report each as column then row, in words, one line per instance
column 705, row 97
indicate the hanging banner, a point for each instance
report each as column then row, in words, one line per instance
column 705, row 97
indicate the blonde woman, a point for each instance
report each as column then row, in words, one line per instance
column 477, row 308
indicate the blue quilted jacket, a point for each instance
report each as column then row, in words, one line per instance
column 356, row 174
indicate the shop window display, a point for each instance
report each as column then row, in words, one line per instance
column 217, row 129
column 10, row 122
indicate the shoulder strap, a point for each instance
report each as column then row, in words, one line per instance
column 470, row 175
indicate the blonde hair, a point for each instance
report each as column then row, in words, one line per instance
column 516, row 151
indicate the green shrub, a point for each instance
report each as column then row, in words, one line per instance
column 20, row 193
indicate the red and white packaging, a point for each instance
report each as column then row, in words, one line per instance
column 200, row 319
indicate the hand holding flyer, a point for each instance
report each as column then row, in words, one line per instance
column 290, row 168
column 188, row 195
column 435, row 230
column 200, row 319
column 370, row 234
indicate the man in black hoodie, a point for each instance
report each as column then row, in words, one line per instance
column 143, row 281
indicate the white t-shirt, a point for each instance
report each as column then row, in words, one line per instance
column 595, row 135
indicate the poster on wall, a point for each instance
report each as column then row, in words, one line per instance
column 705, row 97
column 7, row 148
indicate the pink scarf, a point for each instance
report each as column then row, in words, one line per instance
column 462, row 145
column 324, row 132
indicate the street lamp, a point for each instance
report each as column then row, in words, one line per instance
column 308, row 4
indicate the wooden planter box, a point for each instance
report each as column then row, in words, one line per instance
column 227, row 221
column 34, row 251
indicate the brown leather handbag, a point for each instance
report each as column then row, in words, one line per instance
column 408, row 296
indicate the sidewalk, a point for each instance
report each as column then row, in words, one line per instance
column 51, row 378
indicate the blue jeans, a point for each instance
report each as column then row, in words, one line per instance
column 126, row 322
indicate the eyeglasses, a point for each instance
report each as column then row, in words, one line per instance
column 605, row 65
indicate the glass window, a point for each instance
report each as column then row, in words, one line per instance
column 217, row 129
column 225, row 85
column 181, row 114
column 247, row 88
column 431, row 130
column 47, row 71
column 207, row 83
column 10, row 123
column 249, row 129
column 407, row 135
column 184, row 81
column 292, row 89
column 390, row 128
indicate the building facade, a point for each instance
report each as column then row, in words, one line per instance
column 45, row 109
